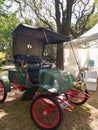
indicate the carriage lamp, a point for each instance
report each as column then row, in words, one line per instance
column 79, row 85
column 24, row 65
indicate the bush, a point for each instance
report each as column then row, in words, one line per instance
column 2, row 58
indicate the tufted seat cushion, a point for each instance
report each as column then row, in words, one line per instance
column 27, row 59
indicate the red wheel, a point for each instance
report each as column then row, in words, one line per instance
column 3, row 94
column 46, row 112
column 77, row 97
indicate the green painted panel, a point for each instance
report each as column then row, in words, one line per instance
column 12, row 75
column 6, row 82
column 55, row 78
column 19, row 77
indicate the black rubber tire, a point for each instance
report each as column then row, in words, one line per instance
column 50, row 103
column 4, row 94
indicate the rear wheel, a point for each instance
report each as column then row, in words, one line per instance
column 77, row 97
column 46, row 112
column 3, row 93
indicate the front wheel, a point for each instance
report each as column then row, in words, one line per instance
column 77, row 97
column 46, row 112
column 3, row 93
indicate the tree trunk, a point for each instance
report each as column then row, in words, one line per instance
column 63, row 28
column 60, row 55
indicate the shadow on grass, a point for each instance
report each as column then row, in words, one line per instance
column 16, row 116
column 94, row 99
column 78, row 119
column 82, row 117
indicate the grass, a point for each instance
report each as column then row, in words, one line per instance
column 14, row 114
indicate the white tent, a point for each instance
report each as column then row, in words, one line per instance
column 83, row 50
column 91, row 35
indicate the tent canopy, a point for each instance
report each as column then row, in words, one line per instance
column 87, row 38
column 85, row 49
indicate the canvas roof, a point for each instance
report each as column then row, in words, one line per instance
column 40, row 34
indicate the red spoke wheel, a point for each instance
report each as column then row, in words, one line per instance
column 77, row 97
column 3, row 93
column 46, row 112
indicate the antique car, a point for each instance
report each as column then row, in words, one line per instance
column 51, row 90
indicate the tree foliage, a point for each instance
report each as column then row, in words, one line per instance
column 2, row 57
column 57, row 14
column 8, row 22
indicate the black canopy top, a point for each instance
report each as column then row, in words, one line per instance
column 40, row 34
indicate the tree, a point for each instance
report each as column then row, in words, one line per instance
column 68, row 17
column 8, row 22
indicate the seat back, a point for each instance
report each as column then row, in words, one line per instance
column 34, row 65
column 27, row 58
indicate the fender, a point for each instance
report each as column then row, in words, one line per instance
column 6, row 82
column 45, row 87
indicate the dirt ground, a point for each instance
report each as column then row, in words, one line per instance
column 15, row 115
